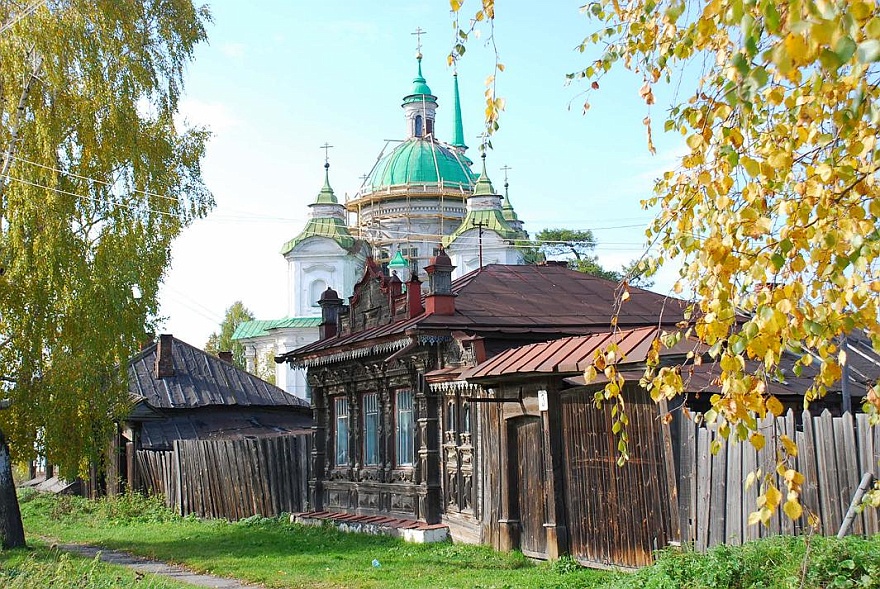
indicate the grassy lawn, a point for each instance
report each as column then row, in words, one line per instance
column 39, row 567
column 276, row 553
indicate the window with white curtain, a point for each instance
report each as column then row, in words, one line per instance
column 371, row 429
column 340, row 405
column 405, row 428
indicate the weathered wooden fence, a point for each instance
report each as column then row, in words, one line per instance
column 833, row 454
column 230, row 479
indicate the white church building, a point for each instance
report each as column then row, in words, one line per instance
column 420, row 196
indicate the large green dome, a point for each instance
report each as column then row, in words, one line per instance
column 421, row 161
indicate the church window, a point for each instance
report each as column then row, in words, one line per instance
column 465, row 417
column 405, row 428
column 371, row 429
column 418, row 126
column 429, row 127
column 316, row 289
column 340, row 405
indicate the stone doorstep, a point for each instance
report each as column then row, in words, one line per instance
column 376, row 525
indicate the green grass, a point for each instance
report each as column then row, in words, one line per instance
column 276, row 553
column 40, row 567
column 782, row 562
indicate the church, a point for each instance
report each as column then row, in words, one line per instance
column 420, row 196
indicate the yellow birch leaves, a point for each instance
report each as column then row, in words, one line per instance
column 774, row 211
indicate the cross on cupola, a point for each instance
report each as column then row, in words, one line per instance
column 504, row 169
column 418, row 33
column 326, row 147
column 420, row 104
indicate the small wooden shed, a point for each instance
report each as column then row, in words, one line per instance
column 182, row 393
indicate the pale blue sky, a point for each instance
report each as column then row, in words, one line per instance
column 279, row 78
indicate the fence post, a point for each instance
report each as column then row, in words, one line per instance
column 179, row 474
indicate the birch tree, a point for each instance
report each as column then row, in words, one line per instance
column 774, row 212
column 96, row 180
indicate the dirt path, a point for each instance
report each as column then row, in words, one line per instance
column 155, row 567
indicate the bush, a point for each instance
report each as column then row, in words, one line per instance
column 781, row 561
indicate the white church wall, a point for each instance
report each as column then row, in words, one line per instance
column 465, row 252
column 260, row 353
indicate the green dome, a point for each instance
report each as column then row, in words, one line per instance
column 421, row 161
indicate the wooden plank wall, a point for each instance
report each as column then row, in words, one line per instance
column 833, row 454
column 231, row 479
column 616, row 516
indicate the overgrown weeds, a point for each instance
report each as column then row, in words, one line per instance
column 782, row 562
column 41, row 567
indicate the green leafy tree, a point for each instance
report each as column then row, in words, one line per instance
column 96, row 180
column 576, row 246
column 236, row 314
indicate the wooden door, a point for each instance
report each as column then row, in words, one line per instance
column 617, row 516
column 526, row 465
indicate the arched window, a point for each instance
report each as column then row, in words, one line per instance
column 418, row 126
column 316, row 289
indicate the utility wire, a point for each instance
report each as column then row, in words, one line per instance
column 26, row 12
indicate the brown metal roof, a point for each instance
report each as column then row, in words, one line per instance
column 201, row 380
column 542, row 300
column 571, row 355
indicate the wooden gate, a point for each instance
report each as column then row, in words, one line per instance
column 525, row 436
column 617, row 515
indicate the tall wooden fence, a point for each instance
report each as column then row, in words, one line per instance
column 833, row 454
column 230, row 479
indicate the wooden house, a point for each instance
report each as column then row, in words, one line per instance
column 555, row 485
column 180, row 392
column 399, row 433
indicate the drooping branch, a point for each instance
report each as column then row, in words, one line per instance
column 15, row 127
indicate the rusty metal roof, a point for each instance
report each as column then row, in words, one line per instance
column 571, row 355
column 201, row 380
column 542, row 301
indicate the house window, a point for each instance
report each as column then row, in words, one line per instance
column 466, row 417
column 341, row 407
column 450, row 417
column 371, row 429
column 405, row 428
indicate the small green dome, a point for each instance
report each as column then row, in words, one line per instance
column 421, row 161
column 326, row 196
column 420, row 89
column 398, row 261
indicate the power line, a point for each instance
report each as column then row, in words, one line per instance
column 90, row 198
column 26, row 12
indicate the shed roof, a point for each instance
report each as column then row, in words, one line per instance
column 218, row 424
column 201, row 380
